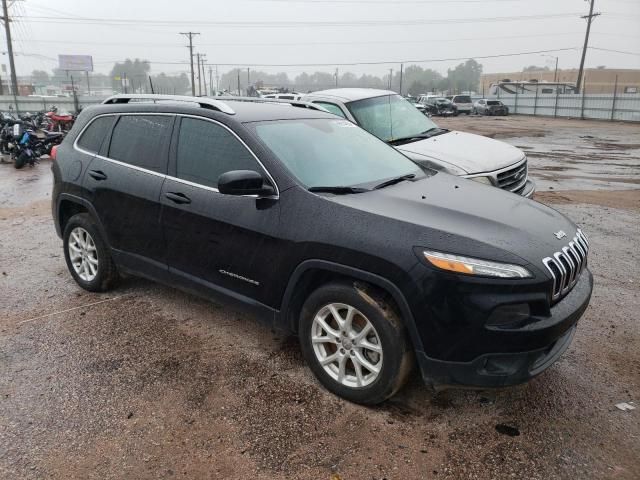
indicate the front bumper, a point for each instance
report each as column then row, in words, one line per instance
column 548, row 338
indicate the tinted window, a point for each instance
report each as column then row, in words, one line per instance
column 139, row 140
column 494, row 102
column 332, row 107
column 93, row 136
column 207, row 150
column 286, row 97
column 462, row 99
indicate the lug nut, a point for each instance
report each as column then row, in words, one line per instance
column 342, row 351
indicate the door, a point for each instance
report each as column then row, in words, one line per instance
column 220, row 241
column 125, row 186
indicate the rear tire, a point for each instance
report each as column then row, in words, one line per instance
column 87, row 255
column 359, row 337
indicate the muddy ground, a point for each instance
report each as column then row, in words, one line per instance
column 149, row 382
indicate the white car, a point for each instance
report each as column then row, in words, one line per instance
column 284, row 96
column 462, row 102
column 393, row 119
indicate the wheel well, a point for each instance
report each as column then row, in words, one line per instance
column 68, row 209
column 314, row 278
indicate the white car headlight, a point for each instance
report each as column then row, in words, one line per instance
column 485, row 180
column 475, row 266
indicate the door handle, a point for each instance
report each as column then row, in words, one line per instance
column 97, row 174
column 177, row 197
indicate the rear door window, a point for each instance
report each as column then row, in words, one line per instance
column 206, row 150
column 93, row 136
column 140, row 140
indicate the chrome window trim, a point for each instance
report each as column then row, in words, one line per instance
column 164, row 175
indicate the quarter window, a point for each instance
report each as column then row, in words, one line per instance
column 206, row 150
column 139, row 140
column 93, row 136
column 332, row 107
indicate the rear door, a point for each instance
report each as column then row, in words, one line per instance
column 217, row 241
column 125, row 183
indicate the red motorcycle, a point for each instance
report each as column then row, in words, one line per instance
column 58, row 123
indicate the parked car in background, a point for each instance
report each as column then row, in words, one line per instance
column 322, row 231
column 490, row 107
column 391, row 118
column 414, row 101
column 462, row 102
column 284, row 96
column 438, row 106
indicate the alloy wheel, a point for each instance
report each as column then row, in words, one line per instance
column 347, row 345
column 83, row 254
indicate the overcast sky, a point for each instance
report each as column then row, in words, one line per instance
column 250, row 32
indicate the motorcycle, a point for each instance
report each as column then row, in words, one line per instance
column 31, row 147
column 58, row 123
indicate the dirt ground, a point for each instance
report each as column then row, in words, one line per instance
column 149, row 382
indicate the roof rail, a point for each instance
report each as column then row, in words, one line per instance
column 293, row 103
column 204, row 102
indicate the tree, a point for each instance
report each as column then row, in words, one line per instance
column 136, row 72
column 465, row 76
column 534, row 68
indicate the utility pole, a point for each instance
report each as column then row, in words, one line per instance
column 401, row 72
column 248, row 78
column 390, row 77
column 190, row 35
column 589, row 18
column 239, row 91
column 211, row 82
column 12, row 65
column 199, row 76
column 336, row 78
column 203, row 58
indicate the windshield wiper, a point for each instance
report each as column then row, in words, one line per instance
column 432, row 132
column 395, row 180
column 338, row 190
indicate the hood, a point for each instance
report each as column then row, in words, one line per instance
column 472, row 153
column 460, row 216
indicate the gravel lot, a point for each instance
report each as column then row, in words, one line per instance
column 149, row 382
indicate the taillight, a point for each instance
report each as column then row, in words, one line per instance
column 54, row 152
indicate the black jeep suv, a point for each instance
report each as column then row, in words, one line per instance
column 324, row 231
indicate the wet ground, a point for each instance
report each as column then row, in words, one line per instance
column 149, row 382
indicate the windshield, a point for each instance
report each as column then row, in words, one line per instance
column 390, row 117
column 325, row 152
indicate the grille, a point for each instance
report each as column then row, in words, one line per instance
column 566, row 265
column 513, row 179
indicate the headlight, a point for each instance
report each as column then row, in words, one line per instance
column 475, row 266
column 485, row 180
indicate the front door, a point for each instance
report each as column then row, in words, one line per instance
column 222, row 241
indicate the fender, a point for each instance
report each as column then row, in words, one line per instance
column 284, row 322
column 80, row 201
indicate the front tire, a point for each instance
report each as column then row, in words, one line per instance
column 355, row 343
column 87, row 255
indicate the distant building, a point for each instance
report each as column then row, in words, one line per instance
column 596, row 80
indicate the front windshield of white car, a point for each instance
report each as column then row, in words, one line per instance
column 390, row 117
column 327, row 152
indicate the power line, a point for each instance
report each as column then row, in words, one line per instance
column 283, row 24
column 615, row 51
column 290, row 44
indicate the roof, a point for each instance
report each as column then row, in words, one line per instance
column 238, row 108
column 350, row 94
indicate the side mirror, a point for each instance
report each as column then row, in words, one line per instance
column 244, row 182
